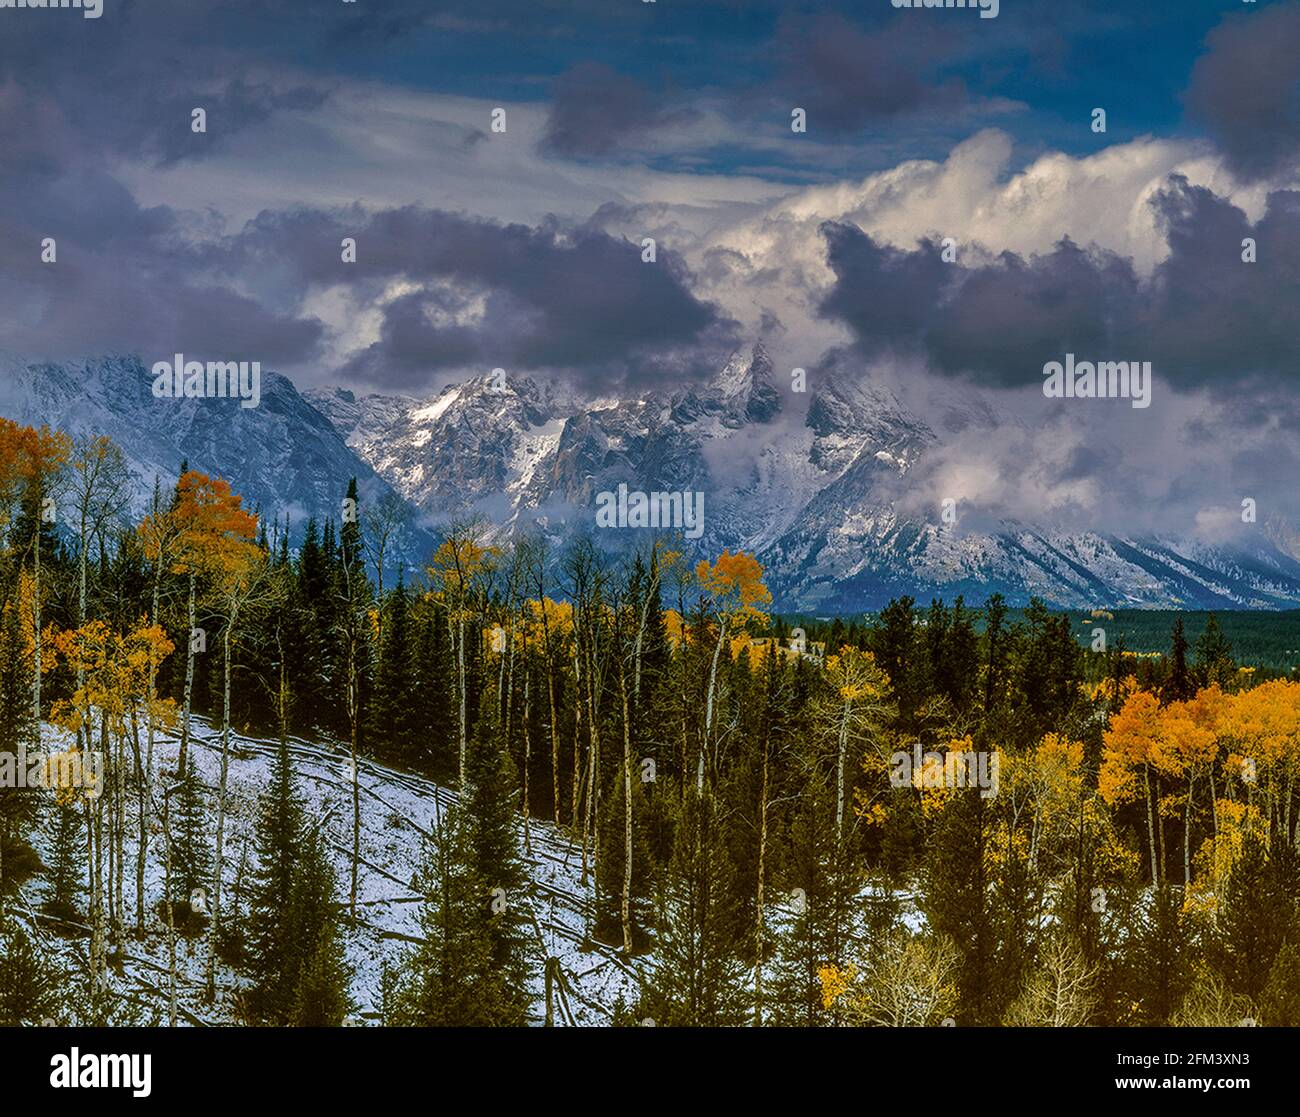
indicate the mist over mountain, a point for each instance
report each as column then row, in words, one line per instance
column 283, row 457
column 823, row 487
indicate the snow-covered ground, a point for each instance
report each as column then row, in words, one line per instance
column 398, row 812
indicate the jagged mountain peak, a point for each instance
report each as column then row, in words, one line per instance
column 821, row 504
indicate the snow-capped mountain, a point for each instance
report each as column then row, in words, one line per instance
column 818, row 492
column 283, row 457
column 814, row 495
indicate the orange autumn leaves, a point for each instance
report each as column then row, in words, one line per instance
column 1230, row 760
column 28, row 456
column 1252, row 737
column 206, row 531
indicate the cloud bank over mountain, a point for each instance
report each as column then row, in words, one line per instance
column 937, row 232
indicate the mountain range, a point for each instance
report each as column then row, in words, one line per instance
column 817, row 493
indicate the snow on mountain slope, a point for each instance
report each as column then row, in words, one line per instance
column 283, row 457
column 817, row 499
column 398, row 811
column 818, row 494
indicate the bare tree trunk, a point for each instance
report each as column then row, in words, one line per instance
column 528, row 756
column 708, row 705
column 141, row 791
column 1151, row 832
column 555, row 729
column 759, row 930
column 460, row 685
column 354, row 689
column 839, row 769
column 626, row 906
column 593, row 756
column 171, row 915
column 575, row 801
column 36, row 627
column 189, row 682
column 210, row 978
column 119, row 842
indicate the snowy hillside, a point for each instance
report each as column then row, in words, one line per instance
column 398, row 812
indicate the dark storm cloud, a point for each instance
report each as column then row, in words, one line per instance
column 581, row 301
column 125, row 277
column 848, row 78
column 1245, row 90
column 1204, row 317
column 126, row 83
column 596, row 111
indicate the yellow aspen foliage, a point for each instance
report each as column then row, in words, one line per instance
column 1130, row 742
column 835, row 982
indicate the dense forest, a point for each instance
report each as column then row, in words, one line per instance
column 946, row 813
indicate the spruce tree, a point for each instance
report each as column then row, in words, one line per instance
column 956, row 900
column 321, row 972
column 395, row 709
column 1258, row 912
column 1179, row 685
column 1214, row 663
column 67, row 853
column 446, row 979
column 191, row 854
column 1159, row 956
column 29, row 980
column 1279, row 1004
column 497, row 869
column 271, row 944
column 698, row 979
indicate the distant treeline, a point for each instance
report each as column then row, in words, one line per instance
column 1259, row 638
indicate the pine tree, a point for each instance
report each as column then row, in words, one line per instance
column 497, row 869
column 447, row 980
column 394, row 709
column 67, row 855
column 271, row 944
column 1178, row 686
column 19, row 806
column 1258, row 911
column 1214, row 663
column 823, row 879
column 698, row 977
column 957, row 903
column 29, row 981
column 433, row 699
column 1279, row 1004
column 191, row 854
column 1159, row 956
column 321, row 998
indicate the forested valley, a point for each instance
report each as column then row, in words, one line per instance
column 943, row 814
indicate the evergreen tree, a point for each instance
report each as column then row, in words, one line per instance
column 1214, row 663
column 496, row 866
column 272, row 949
column 1159, row 956
column 29, row 981
column 19, row 806
column 957, row 901
column 395, row 710
column 1279, row 1004
column 67, row 856
column 1258, row 912
column 447, row 977
column 321, row 972
column 191, row 853
column 433, row 700
column 1179, row 685
column 698, row 977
